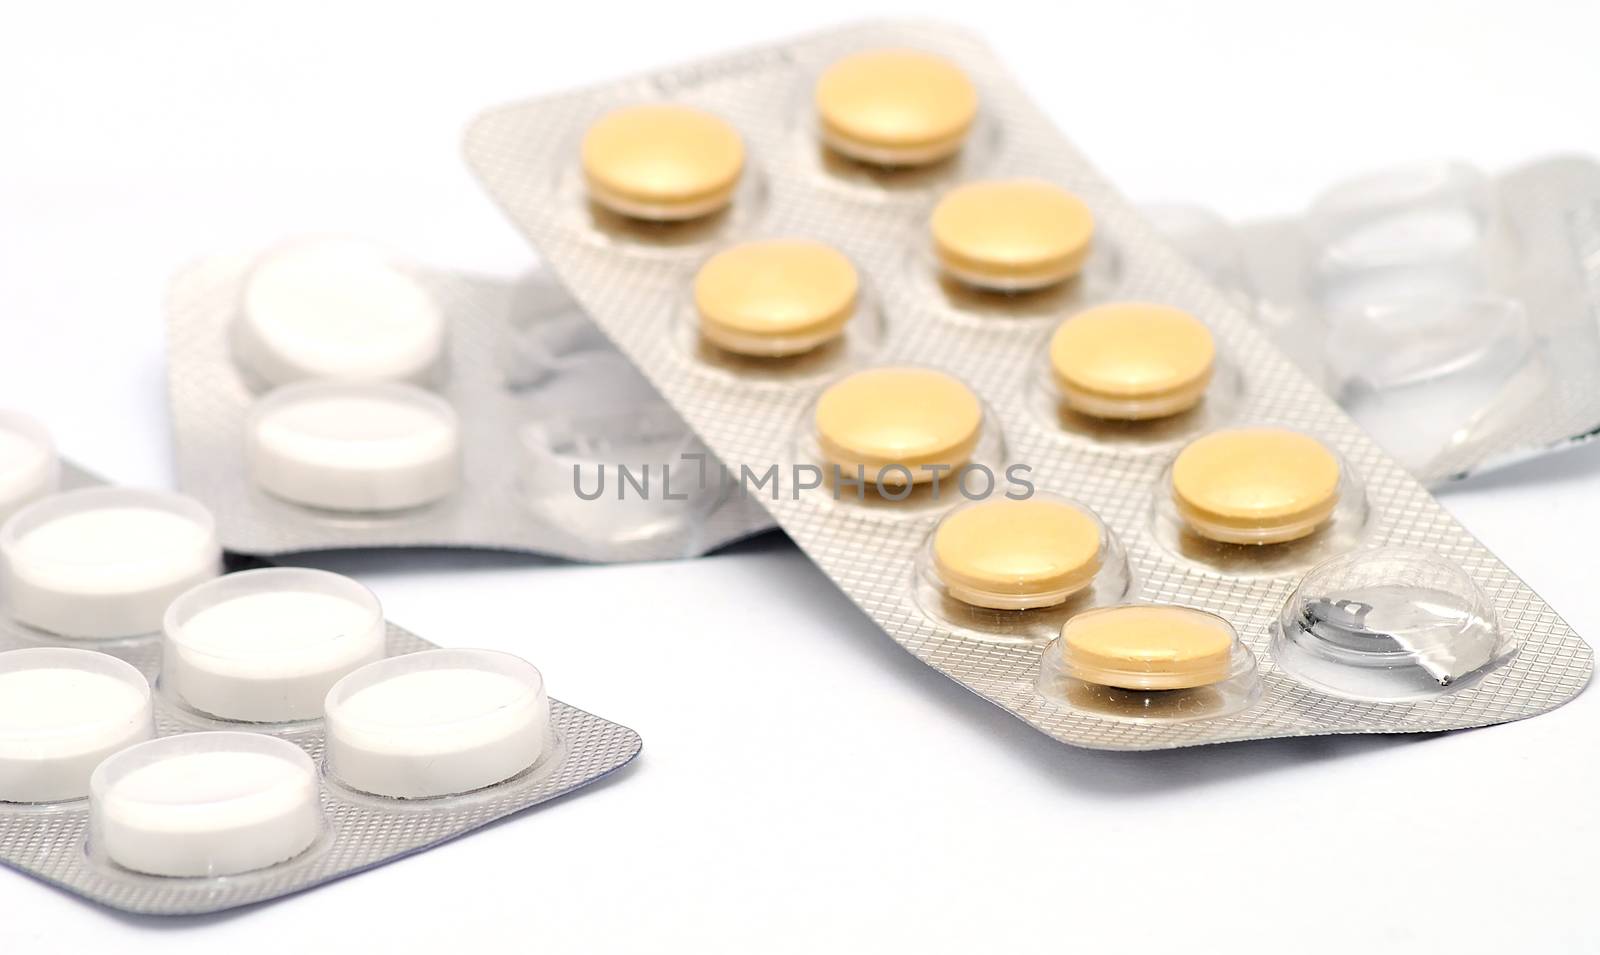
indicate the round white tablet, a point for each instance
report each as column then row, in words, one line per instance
column 436, row 722
column 104, row 561
column 265, row 646
column 348, row 446
column 62, row 711
column 336, row 308
column 29, row 467
column 204, row 804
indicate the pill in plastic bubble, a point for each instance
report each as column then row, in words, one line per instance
column 1017, row 554
column 266, row 645
column 62, row 711
column 336, row 308
column 204, row 804
column 895, row 107
column 662, row 162
column 1255, row 485
column 775, row 297
column 1148, row 647
column 915, row 419
column 29, row 467
column 436, row 722
column 1011, row 234
column 1132, row 361
column 349, row 446
column 104, row 562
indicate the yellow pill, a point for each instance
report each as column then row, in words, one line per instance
column 775, row 297
column 1132, row 361
column 1012, row 234
column 1255, row 485
column 1148, row 647
column 662, row 162
column 895, row 107
column 916, row 418
column 1015, row 555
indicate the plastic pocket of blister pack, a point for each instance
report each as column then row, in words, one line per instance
column 477, row 427
column 1451, row 313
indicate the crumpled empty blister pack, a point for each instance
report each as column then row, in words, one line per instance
column 863, row 261
column 176, row 740
column 1453, row 314
column 325, row 395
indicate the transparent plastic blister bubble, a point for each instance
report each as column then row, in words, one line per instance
column 63, row 710
column 29, row 465
column 195, row 805
column 967, row 464
column 777, row 360
column 103, row 562
column 435, row 724
column 1388, row 624
column 972, row 576
column 954, row 299
column 1153, row 433
column 1204, row 672
column 186, row 769
column 1450, row 312
column 265, row 646
column 1271, row 542
column 878, row 554
column 301, row 433
column 866, row 174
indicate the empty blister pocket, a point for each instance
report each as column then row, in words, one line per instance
column 1451, row 313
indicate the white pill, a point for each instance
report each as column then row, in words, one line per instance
column 29, row 467
column 62, row 711
column 265, row 646
column 204, row 804
column 348, row 446
column 336, row 308
column 436, row 722
column 104, row 561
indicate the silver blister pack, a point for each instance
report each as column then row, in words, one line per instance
column 633, row 281
column 1451, row 313
column 543, row 402
column 52, row 840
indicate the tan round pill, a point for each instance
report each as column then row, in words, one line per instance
column 1255, row 485
column 914, row 418
column 1132, row 361
column 895, row 107
column 1014, row 555
column 1012, row 234
column 1148, row 647
column 662, row 162
column 775, row 297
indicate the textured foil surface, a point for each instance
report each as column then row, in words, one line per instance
column 1541, row 255
column 497, row 390
column 50, row 841
column 526, row 155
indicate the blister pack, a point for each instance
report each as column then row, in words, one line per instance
column 1454, row 315
column 1042, row 451
column 326, row 395
column 178, row 740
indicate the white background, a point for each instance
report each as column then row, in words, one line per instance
column 805, row 784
